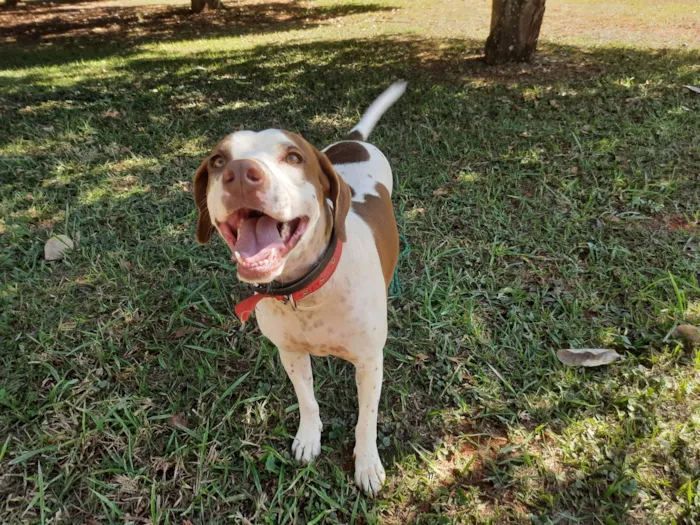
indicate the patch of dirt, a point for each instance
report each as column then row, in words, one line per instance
column 106, row 21
column 665, row 224
column 676, row 222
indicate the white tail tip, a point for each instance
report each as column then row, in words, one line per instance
column 380, row 105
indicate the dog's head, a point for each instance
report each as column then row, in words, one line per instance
column 266, row 193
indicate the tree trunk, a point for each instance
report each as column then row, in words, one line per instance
column 200, row 5
column 11, row 3
column 515, row 28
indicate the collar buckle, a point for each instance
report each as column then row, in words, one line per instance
column 289, row 299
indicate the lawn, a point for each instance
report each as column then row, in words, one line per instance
column 541, row 206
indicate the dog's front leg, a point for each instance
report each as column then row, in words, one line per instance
column 369, row 472
column 307, row 443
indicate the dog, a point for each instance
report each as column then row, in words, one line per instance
column 314, row 233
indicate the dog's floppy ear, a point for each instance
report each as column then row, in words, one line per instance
column 338, row 193
column 204, row 225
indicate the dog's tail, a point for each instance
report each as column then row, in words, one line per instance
column 380, row 105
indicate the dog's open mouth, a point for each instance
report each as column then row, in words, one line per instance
column 259, row 242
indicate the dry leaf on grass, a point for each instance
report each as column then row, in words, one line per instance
column 56, row 246
column 178, row 420
column 440, row 192
column 182, row 332
column 587, row 356
column 688, row 332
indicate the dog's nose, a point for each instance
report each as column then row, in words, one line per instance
column 247, row 171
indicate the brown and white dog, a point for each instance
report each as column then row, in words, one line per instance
column 316, row 232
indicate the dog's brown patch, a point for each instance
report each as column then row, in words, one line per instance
column 292, row 344
column 338, row 351
column 379, row 214
column 331, row 184
column 200, row 186
column 347, row 153
column 355, row 135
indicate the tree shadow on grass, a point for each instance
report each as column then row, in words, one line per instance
column 491, row 209
column 101, row 31
column 516, row 486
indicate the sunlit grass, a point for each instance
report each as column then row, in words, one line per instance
column 541, row 206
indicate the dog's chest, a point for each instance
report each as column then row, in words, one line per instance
column 335, row 325
column 345, row 318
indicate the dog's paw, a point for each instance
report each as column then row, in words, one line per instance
column 307, row 443
column 369, row 472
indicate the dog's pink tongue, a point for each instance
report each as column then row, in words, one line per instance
column 257, row 237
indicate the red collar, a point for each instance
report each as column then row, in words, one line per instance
column 294, row 293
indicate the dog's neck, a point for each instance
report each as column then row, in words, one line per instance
column 303, row 258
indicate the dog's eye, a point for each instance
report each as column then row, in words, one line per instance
column 218, row 162
column 293, row 158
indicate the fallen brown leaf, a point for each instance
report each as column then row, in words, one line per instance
column 182, row 332
column 689, row 333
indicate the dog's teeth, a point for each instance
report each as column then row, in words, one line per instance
column 238, row 257
column 273, row 253
column 284, row 232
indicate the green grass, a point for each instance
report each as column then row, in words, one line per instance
column 544, row 206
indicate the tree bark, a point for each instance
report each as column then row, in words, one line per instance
column 200, row 5
column 515, row 29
